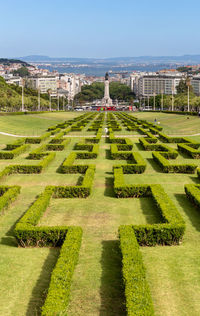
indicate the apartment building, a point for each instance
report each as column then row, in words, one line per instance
column 195, row 82
column 46, row 84
column 149, row 85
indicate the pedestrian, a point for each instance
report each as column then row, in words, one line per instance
column 106, row 130
column 155, row 121
column 199, row 113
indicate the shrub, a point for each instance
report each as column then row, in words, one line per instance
column 14, row 152
column 159, row 158
column 187, row 149
column 137, row 293
column 136, row 164
column 58, row 146
column 7, row 195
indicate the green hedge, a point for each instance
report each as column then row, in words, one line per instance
column 7, row 195
column 37, row 140
column 68, row 165
column 169, row 139
column 136, row 164
column 59, row 290
column 187, row 149
column 58, row 147
column 172, row 228
column 137, row 292
column 79, row 191
column 193, row 193
column 89, row 155
column 14, row 153
column 167, row 167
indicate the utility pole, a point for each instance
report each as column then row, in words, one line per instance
column 38, row 98
column 22, row 95
column 188, row 85
column 58, row 101
column 154, row 101
column 162, row 99
column 63, row 102
column 148, row 101
column 172, row 98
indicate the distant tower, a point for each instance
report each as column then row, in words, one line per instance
column 106, row 101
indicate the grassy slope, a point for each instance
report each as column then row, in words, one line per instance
column 173, row 272
column 172, row 123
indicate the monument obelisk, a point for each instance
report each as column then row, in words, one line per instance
column 106, row 101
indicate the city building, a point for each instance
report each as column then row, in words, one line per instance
column 153, row 84
column 46, row 84
column 195, row 82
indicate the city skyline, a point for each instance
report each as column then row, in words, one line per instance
column 99, row 30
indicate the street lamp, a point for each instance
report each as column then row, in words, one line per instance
column 154, row 101
column 58, row 101
column 188, row 85
column 162, row 91
column 172, row 98
column 22, row 95
column 38, row 98
column 49, row 99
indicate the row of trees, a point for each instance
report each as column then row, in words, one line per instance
column 118, row 91
column 179, row 101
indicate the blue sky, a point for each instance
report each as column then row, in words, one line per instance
column 99, row 28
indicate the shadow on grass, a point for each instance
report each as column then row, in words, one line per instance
column 184, row 155
column 109, row 191
column 139, row 146
column 107, row 154
column 112, row 290
column 154, row 165
column 150, row 211
column 192, row 212
column 195, row 179
column 40, row 290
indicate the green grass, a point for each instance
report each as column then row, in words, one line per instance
column 172, row 123
column 172, row 272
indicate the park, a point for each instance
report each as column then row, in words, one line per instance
column 100, row 214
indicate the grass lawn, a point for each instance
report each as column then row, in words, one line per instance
column 172, row 272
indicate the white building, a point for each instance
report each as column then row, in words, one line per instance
column 153, row 84
column 71, row 83
column 46, row 84
column 195, row 82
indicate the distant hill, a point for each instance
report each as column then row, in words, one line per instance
column 185, row 59
column 7, row 61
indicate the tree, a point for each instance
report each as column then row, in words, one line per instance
column 22, row 72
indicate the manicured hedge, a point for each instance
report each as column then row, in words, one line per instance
column 169, row 139
column 58, row 146
column 167, row 167
column 28, row 169
column 172, row 228
column 59, row 290
column 68, row 165
column 136, row 164
column 137, row 292
column 79, row 191
column 7, row 195
column 187, row 149
column 14, row 152
column 89, row 154
column 37, row 140
column 193, row 193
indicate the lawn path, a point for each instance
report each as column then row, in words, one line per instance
column 97, row 287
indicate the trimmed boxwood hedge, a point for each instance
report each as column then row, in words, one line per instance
column 14, row 152
column 37, row 140
column 68, row 165
column 58, row 146
column 136, row 164
column 167, row 167
column 7, row 195
column 137, row 292
column 172, row 228
column 193, row 193
column 28, row 169
column 191, row 151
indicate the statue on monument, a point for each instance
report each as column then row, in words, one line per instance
column 106, row 101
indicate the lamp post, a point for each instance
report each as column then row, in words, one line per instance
column 49, row 100
column 38, row 98
column 63, row 102
column 154, row 101
column 162, row 99
column 58, row 101
column 172, row 98
column 188, row 85
column 148, row 101
column 22, row 95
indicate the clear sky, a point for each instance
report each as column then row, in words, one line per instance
column 99, row 28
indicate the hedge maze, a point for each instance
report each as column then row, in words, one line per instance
column 128, row 160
